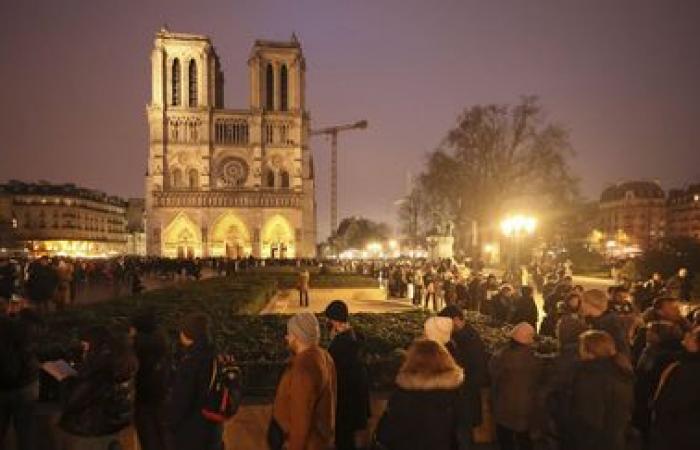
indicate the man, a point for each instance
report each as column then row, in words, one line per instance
column 304, row 278
column 188, row 428
column 353, row 385
column 664, row 309
column 594, row 308
column 469, row 352
column 42, row 283
column 305, row 401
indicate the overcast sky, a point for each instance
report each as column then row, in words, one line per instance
column 622, row 76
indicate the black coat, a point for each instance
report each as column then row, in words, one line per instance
column 152, row 378
column 190, row 384
column 524, row 310
column 677, row 407
column 18, row 363
column 611, row 324
column 423, row 413
column 468, row 350
column 42, row 283
column 353, row 385
column 601, row 405
column 100, row 399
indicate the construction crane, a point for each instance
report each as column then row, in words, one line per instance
column 333, row 133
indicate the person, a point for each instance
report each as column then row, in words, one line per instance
column 151, row 348
column 524, row 308
column 304, row 278
column 42, row 283
column 663, row 309
column 500, row 305
column 345, row 348
column 601, row 394
column 423, row 412
column 19, row 374
column 187, row 427
column 515, row 372
column 430, row 283
column 663, row 344
column 7, row 278
column 438, row 329
column 99, row 402
column 676, row 404
column 469, row 352
column 594, row 308
column 305, row 402
column 681, row 285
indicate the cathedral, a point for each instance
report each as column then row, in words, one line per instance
column 228, row 182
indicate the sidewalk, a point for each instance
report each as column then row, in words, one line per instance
column 372, row 300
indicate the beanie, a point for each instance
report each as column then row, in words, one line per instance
column 304, row 326
column 337, row 310
column 523, row 333
column 195, row 326
column 438, row 329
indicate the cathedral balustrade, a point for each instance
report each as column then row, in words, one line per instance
column 228, row 199
column 232, row 128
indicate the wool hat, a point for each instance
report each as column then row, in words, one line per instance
column 195, row 326
column 337, row 310
column 523, row 333
column 595, row 299
column 304, row 326
column 439, row 329
column 452, row 311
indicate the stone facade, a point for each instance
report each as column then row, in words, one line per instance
column 225, row 182
column 65, row 219
column 684, row 212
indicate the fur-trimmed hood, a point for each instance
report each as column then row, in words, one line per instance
column 447, row 380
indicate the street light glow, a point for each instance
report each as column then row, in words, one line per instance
column 518, row 224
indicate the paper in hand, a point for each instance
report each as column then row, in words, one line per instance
column 59, row 369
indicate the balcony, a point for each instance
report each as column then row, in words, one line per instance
column 278, row 198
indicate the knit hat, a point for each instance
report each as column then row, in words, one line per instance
column 304, row 326
column 439, row 329
column 595, row 299
column 195, row 326
column 523, row 333
column 337, row 310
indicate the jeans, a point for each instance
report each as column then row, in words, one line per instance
column 18, row 406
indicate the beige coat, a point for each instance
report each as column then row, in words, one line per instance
column 305, row 402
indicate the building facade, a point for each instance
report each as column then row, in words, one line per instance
column 52, row 219
column 683, row 212
column 228, row 182
column 632, row 216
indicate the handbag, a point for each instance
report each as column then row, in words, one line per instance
column 275, row 435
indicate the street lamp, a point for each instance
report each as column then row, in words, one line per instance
column 515, row 227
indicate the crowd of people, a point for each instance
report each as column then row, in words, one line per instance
column 625, row 375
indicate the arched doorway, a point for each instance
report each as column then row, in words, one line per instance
column 278, row 239
column 182, row 238
column 230, row 237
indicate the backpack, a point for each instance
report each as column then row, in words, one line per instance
column 225, row 391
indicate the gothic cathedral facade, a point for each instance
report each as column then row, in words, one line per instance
column 228, row 182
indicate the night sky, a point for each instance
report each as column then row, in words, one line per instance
column 622, row 76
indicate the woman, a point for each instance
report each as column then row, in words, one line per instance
column 601, row 394
column 676, row 404
column 100, row 398
column 422, row 414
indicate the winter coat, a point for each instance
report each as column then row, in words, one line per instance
column 601, row 405
column 423, row 413
column 652, row 363
column 611, row 324
column 677, row 407
column 100, row 399
column 515, row 373
column 18, row 363
column 305, row 402
column 190, row 384
column 152, row 378
column 353, row 384
column 524, row 310
column 555, row 395
column 469, row 352
column 42, row 282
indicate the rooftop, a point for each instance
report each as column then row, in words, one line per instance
column 16, row 187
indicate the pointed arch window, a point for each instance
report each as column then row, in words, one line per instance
column 270, row 179
column 269, row 88
column 177, row 178
column 193, row 83
column 193, row 179
column 284, row 103
column 284, row 179
column 176, row 76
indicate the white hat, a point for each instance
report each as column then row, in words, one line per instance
column 439, row 329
